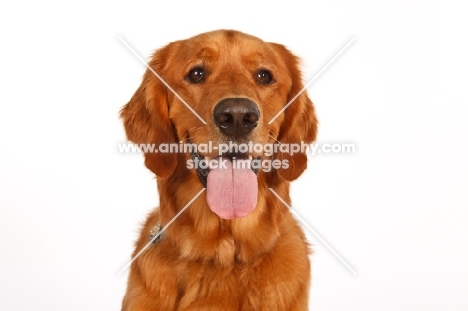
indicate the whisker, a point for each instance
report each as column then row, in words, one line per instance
column 274, row 138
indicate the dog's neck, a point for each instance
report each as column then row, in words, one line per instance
column 202, row 235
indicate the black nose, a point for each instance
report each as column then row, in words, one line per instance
column 236, row 117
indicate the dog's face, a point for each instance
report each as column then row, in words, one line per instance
column 237, row 84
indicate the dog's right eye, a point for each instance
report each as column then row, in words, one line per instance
column 196, row 75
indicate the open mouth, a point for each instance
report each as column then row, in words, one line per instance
column 230, row 181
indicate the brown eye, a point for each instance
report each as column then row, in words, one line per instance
column 264, row 77
column 196, row 75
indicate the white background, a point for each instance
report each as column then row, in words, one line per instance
column 396, row 210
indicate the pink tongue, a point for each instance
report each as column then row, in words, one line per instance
column 232, row 190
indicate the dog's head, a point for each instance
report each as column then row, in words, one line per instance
column 237, row 84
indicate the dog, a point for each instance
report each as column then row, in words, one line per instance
column 236, row 246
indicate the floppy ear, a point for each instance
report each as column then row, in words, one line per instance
column 146, row 118
column 299, row 123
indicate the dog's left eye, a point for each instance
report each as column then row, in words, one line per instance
column 264, row 77
column 196, row 75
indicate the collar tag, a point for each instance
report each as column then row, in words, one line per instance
column 155, row 235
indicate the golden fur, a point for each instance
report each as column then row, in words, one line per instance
column 203, row 262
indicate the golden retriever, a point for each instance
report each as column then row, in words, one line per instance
column 236, row 246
